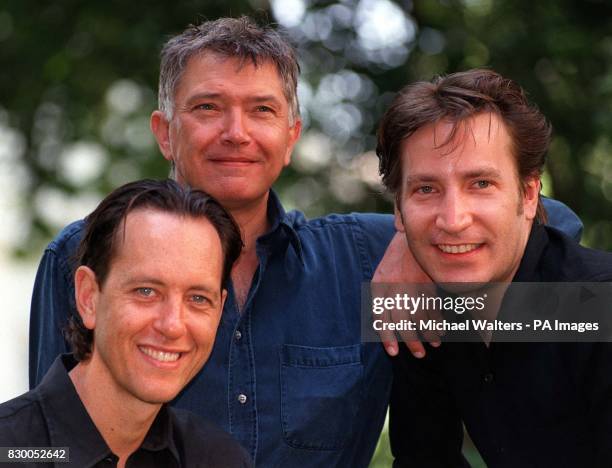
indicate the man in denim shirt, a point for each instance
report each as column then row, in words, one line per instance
column 288, row 376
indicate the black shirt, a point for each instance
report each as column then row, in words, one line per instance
column 52, row 415
column 524, row 404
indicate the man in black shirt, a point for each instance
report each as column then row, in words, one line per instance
column 463, row 155
column 149, row 291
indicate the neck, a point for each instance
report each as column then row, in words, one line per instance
column 252, row 218
column 122, row 420
column 253, row 222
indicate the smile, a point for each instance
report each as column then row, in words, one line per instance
column 457, row 249
column 232, row 161
column 160, row 355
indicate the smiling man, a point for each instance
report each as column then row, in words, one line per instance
column 463, row 155
column 288, row 377
column 149, row 292
column 468, row 218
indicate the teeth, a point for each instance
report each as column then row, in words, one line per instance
column 454, row 249
column 160, row 355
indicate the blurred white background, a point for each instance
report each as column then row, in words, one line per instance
column 16, row 280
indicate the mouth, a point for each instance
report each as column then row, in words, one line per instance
column 235, row 162
column 160, row 356
column 458, row 248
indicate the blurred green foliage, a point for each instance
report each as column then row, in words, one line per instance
column 82, row 75
column 78, row 81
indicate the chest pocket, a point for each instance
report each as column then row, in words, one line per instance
column 321, row 392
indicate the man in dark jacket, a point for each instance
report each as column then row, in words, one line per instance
column 463, row 155
column 149, row 292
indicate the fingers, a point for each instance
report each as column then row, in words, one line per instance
column 391, row 346
column 416, row 348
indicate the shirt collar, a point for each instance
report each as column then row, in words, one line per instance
column 160, row 435
column 282, row 232
column 528, row 270
column 70, row 425
column 66, row 417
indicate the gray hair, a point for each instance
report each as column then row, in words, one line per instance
column 239, row 38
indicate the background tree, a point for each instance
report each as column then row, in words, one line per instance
column 79, row 80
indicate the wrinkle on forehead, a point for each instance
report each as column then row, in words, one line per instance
column 452, row 135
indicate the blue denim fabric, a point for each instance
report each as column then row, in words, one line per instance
column 315, row 395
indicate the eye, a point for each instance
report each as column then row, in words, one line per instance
column 145, row 292
column 482, row 184
column 263, row 109
column 199, row 299
column 425, row 189
column 205, row 106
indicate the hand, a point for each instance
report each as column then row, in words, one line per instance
column 397, row 270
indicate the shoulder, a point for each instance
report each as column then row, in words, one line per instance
column 371, row 225
column 68, row 238
column 364, row 234
column 367, row 220
column 59, row 257
column 571, row 261
column 561, row 217
column 21, row 421
column 202, row 440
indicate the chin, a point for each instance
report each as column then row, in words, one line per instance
column 157, row 395
column 462, row 287
column 460, row 282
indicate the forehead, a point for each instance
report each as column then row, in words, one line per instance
column 211, row 70
column 166, row 245
column 445, row 147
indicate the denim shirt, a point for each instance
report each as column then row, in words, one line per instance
column 288, row 377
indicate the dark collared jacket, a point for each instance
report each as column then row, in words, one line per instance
column 52, row 415
column 540, row 405
column 289, row 376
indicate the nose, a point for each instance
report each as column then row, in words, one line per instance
column 454, row 213
column 235, row 131
column 170, row 321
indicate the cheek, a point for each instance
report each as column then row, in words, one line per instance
column 417, row 222
column 129, row 322
column 275, row 138
column 204, row 330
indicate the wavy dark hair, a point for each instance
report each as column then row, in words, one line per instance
column 455, row 98
column 98, row 245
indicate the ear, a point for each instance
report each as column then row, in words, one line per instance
column 398, row 218
column 161, row 130
column 531, row 196
column 86, row 295
column 294, row 134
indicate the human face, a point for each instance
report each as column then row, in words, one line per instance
column 461, row 205
column 230, row 133
column 156, row 315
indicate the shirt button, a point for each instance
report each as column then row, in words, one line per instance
column 237, row 335
column 488, row 377
column 242, row 398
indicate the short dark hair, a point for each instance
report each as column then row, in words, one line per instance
column 240, row 38
column 454, row 98
column 99, row 243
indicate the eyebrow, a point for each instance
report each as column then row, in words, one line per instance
column 487, row 172
column 265, row 98
column 261, row 98
column 156, row 282
column 483, row 172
